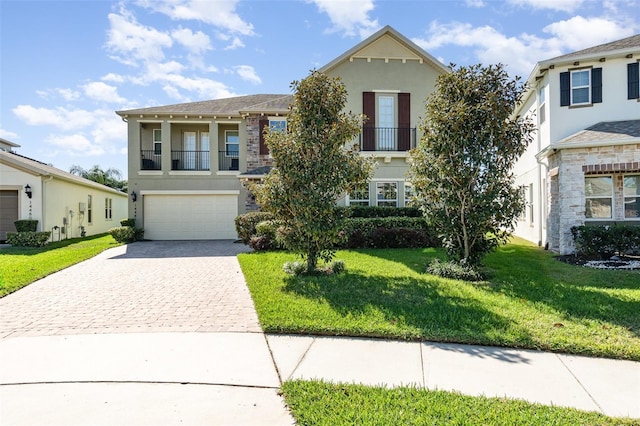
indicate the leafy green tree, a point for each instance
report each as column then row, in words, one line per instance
column 313, row 167
column 462, row 167
column 109, row 177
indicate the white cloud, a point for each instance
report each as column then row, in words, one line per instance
column 100, row 91
column 132, row 43
column 75, row 144
column 236, row 43
column 248, row 73
column 474, row 3
column 559, row 5
column 221, row 14
column 8, row 135
column 579, row 32
column 113, row 78
column 66, row 94
column 350, row 17
column 196, row 43
column 59, row 117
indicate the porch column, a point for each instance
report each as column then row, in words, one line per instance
column 214, row 147
column 166, row 145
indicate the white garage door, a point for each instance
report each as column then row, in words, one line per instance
column 190, row 217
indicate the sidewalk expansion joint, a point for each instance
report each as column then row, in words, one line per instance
column 580, row 383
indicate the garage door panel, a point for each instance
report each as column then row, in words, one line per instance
column 190, row 217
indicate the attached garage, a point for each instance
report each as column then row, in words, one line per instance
column 207, row 215
column 8, row 212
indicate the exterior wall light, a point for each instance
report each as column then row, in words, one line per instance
column 134, row 196
column 28, row 191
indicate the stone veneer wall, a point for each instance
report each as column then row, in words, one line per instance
column 566, row 189
column 254, row 159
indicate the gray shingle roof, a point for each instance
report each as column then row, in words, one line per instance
column 607, row 131
column 625, row 43
column 227, row 106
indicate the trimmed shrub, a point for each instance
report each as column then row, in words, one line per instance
column 128, row 222
column 295, row 268
column 246, row 224
column 261, row 243
column 388, row 232
column 376, row 211
column 26, row 225
column 127, row 234
column 454, row 270
column 28, row 238
column 605, row 241
column 336, row 267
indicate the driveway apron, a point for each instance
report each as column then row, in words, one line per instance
column 148, row 333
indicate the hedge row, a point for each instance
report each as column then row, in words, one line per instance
column 605, row 240
column 28, row 238
column 376, row 211
column 259, row 231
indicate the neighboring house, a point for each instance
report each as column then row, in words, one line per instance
column 55, row 198
column 584, row 164
column 189, row 164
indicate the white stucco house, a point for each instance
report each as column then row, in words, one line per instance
column 584, row 164
column 30, row 189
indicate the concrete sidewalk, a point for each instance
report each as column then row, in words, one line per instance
column 611, row 387
column 233, row 378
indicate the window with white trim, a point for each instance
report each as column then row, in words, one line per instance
column 598, row 191
column 631, row 192
column 89, row 209
column 409, row 195
column 108, row 204
column 387, row 194
column 277, row 124
column 542, row 104
column 157, row 141
column 530, row 204
column 232, row 143
column 581, row 87
column 359, row 196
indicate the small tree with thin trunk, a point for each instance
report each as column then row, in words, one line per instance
column 313, row 167
column 462, row 167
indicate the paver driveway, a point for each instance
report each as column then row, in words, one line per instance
column 150, row 286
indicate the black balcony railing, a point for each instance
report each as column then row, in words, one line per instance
column 150, row 160
column 190, row 160
column 228, row 160
column 387, row 138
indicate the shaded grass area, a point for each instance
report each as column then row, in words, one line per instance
column 320, row 403
column 20, row 266
column 531, row 301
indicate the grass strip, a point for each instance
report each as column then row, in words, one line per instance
column 20, row 266
column 321, row 403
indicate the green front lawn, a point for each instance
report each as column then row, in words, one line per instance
column 319, row 403
column 20, row 266
column 530, row 301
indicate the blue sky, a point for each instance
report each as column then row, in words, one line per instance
column 66, row 66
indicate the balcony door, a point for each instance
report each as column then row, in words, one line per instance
column 386, row 123
column 189, row 151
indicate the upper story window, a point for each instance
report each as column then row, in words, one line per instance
column 598, row 191
column 581, row 87
column 632, row 197
column 633, row 80
column 157, row 141
column 277, row 124
column 232, row 142
column 542, row 99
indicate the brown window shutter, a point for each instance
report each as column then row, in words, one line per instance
column 263, row 123
column 368, row 128
column 404, row 121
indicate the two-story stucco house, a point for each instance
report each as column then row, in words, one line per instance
column 189, row 163
column 584, row 165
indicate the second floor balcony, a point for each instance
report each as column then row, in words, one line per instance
column 387, row 138
column 190, row 160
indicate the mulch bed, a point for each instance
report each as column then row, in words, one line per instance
column 615, row 262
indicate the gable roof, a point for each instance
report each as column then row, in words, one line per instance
column 39, row 168
column 227, row 106
column 410, row 49
column 625, row 44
